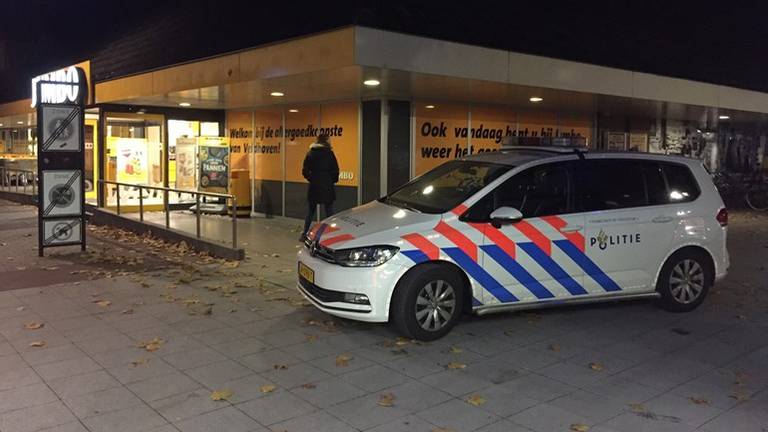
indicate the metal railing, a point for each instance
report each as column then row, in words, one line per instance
column 18, row 181
column 166, row 203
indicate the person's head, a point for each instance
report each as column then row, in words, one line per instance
column 323, row 139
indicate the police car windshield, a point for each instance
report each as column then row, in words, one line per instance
column 446, row 186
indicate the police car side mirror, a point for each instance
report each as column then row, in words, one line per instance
column 505, row 215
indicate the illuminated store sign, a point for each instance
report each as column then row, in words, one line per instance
column 61, row 86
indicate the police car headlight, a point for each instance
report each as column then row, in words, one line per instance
column 371, row 256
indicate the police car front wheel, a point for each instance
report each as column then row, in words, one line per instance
column 427, row 302
column 685, row 280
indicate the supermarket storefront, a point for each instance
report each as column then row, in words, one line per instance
column 393, row 105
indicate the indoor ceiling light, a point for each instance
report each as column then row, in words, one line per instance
column 723, row 117
column 1, row 124
column 371, row 82
column 535, row 99
column 19, row 122
column 185, row 104
column 429, row 107
column 293, row 110
column 277, row 94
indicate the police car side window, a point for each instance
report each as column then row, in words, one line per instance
column 655, row 184
column 681, row 184
column 609, row 184
column 538, row 191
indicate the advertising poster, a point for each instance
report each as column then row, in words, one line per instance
column 615, row 141
column 440, row 134
column 490, row 127
column 213, row 156
column 240, row 134
column 339, row 121
column 132, row 164
column 186, row 152
column 300, row 131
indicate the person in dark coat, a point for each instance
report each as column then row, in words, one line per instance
column 321, row 171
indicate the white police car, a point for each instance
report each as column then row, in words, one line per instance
column 517, row 229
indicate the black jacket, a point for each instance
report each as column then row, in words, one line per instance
column 322, row 171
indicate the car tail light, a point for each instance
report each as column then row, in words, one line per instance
column 722, row 217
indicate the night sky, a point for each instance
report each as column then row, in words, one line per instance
column 722, row 42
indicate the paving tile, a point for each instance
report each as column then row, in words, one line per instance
column 455, row 382
column 75, row 426
column 66, row 368
column 240, row 348
column 374, row 378
column 416, row 396
column 185, row 405
column 538, row 387
column 101, row 402
column 547, row 417
column 528, row 358
column 507, row 426
column 296, row 375
column 577, row 375
column 635, row 422
column 18, row 377
column 314, row 422
column 328, row 392
column 195, row 358
column 215, row 374
column 276, row 407
column 686, row 410
column 595, row 408
column 220, row 335
column 415, row 366
column 151, row 367
column 266, row 360
column 54, row 354
column 226, row 419
column 197, row 325
column 163, row 386
column 83, row 384
column 410, row 423
column 246, row 388
column 104, row 344
column 504, row 401
column 365, row 412
column 27, row 396
column 135, row 418
column 36, row 418
column 622, row 390
column 458, row 415
column 665, row 372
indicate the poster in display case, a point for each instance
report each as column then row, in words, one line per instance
column 213, row 159
column 132, row 166
column 186, row 163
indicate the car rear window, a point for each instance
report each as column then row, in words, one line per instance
column 681, row 184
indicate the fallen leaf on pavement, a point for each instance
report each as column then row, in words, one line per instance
column 343, row 360
column 596, row 366
column 280, row 366
column 231, row 264
column 33, row 325
column 386, row 400
column 139, row 362
column 741, row 317
column 476, row 400
column 310, row 338
column 579, row 427
column 103, row 303
column 698, row 401
column 127, row 312
column 554, row 347
column 51, row 268
column 740, row 397
column 220, row 395
column 442, row 429
column 638, row 408
column 268, row 388
column 152, row 345
column 456, row 365
column 37, row 344
column 455, row 350
column 20, row 308
column 309, row 386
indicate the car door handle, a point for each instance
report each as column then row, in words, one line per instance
column 661, row 219
column 571, row 228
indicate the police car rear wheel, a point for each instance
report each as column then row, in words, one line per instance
column 427, row 302
column 685, row 280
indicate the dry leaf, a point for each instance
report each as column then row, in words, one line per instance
column 579, row 427
column 220, row 395
column 268, row 388
column 698, row 401
column 554, row 347
column 476, row 400
column 310, row 338
column 343, row 360
column 20, row 308
column 455, row 350
column 33, row 325
column 740, row 397
column 152, row 345
column 309, row 386
column 280, row 367
column 456, row 365
column 37, row 344
column 231, row 264
column 103, row 303
column 386, row 400
column 741, row 317
column 442, row 429
column 139, row 362
column 638, row 408
column 127, row 312
column 596, row 366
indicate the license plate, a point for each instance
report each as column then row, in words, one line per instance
column 307, row 273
